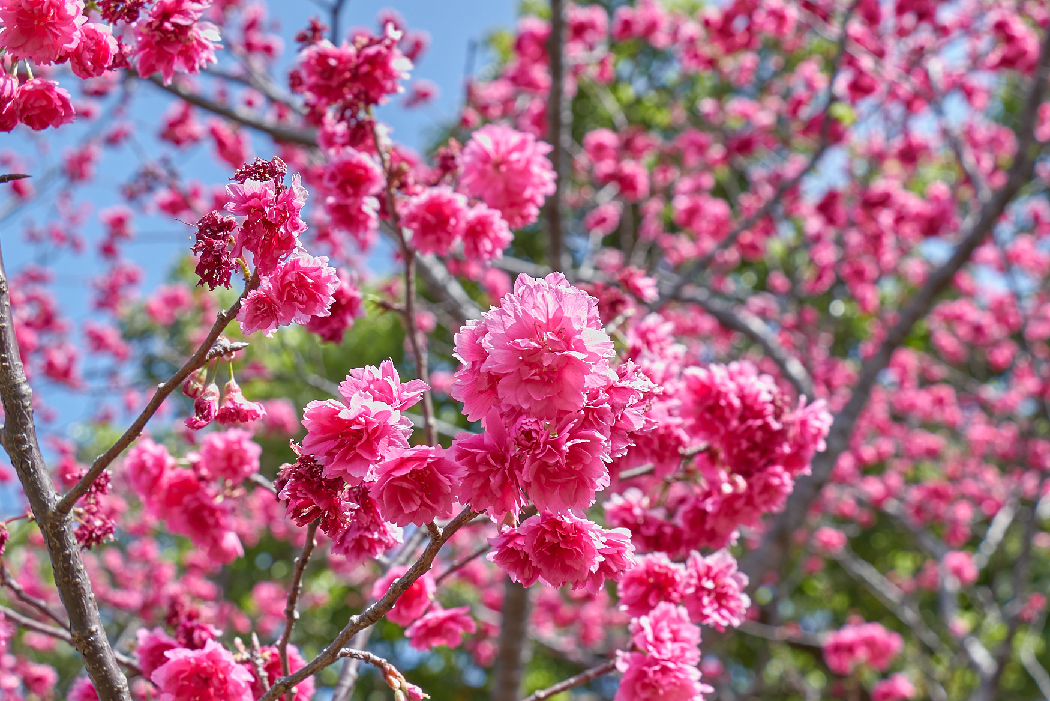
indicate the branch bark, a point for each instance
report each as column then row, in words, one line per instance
column 559, row 118
column 510, row 660
column 291, row 609
column 87, row 633
column 280, row 132
column 573, row 682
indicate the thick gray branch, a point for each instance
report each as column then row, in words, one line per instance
column 86, row 632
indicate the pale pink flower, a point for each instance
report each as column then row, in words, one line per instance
column 715, row 594
column 231, row 455
column 41, row 104
column 42, row 31
column 667, row 633
column 416, row 486
column 349, row 439
column 411, row 604
column 209, row 674
column 654, row 579
column 95, row 51
column 383, row 384
column 172, row 38
column 509, row 171
column 436, row 217
column 648, row 678
column 485, row 234
column 441, row 627
column 541, row 346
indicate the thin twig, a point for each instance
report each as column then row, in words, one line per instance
column 32, row 601
column 211, row 347
column 459, row 564
column 291, row 609
column 573, row 682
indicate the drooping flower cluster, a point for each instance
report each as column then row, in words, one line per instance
column 172, row 38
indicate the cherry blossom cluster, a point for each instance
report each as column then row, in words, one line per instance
column 861, row 644
column 168, row 37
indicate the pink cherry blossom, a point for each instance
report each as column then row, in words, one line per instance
column 172, row 38
column 485, row 234
column 491, row 478
column 509, row 171
column 436, row 218
column 151, row 648
column 667, row 633
column 441, row 627
column 648, row 678
column 383, row 384
column 43, row 31
column 95, row 52
column 416, row 486
column 715, row 594
column 541, row 348
column 350, row 439
column 894, row 688
column 411, row 604
column 231, row 455
column 654, row 579
column 208, row 674
column 41, row 104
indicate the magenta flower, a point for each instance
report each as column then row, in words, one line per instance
column 441, row 627
column 564, row 548
column 42, row 31
column 436, row 218
column 413, row 603
column 667, row 633
column 416, row 486
column 172, row 38
column 235, row 410
column 146, row 464
column 509, row 552
column 366, row 534
column 509, row 171
column 231, row 455
column 83, row 690
column 485, row 234
column 209, row 674
column 311, row 496
column 349, row 439
column 715, row 596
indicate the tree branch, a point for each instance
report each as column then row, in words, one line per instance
column 291, row 609
column 573, row 682
column 87, row 634
column 304, row 136
column 211, row 347
column 59, row 633
column 559, row 120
